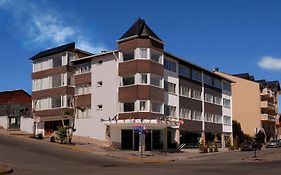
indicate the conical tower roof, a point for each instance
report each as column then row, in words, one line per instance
column 139, row 29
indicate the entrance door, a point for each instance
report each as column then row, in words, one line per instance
column 136, row 140
column 148, row 140
column 157, row 139
column 127, row 139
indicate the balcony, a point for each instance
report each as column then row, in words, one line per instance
column 268, row 105
column 267, row 117
column 267, row 93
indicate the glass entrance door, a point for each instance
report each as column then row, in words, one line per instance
column 127, row 139
column 136, row 140
column 148, row 140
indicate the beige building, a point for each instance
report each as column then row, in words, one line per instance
column 255, row 104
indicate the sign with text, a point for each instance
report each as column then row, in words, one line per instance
column 139, row 128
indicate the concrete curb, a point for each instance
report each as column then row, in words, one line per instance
column 5, row 169
column 149, row 160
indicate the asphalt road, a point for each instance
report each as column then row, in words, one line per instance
column 27, row 156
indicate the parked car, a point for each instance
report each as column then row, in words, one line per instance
column 272, row 144
column 279, row 143
column 250, row 146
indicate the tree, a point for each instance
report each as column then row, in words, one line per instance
column 238, row 134
column 260, row 137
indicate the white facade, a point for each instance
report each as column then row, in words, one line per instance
column 26, row 124
column 226, row 111
column 172, row 98
column 104, row 98
column 4, row 122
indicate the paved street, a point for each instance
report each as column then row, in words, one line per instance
column 28, row 156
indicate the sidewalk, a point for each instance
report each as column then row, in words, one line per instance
column 5, row 169
column 148, row 156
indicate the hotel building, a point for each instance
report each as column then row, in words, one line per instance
column 140, row 84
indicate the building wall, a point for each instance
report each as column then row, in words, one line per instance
column 169, row 98
column 26, row 124
column 246, row 107
column 4, row 122
column 105, row 95
column 227, row 111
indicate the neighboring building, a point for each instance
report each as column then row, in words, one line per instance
column 15, row 110
column 53, row 87
column 140, row 84
column 255, row 103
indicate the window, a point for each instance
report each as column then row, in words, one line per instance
column 170, row 87
column 185, row 91
column 128, row 55
column 227, row 86
column 83, row 89
column 57, row 61
column 70, row 79
column 69, row 101
column 100, row 61
column 217, row 118
column 226, row 103
column 209, row 98
column 143, row 53
column 83, row 68
column 156, row 81
column 143, row 79
column 56, row 80
column 196, row 75
column 184, row 71
column 170, row 110
column 196, row 115
column 143, row 106
column 84, row 112
column 129, row 107
column 169, row 65
column 208, row 80
column 196, row 94
column 99, row 106
column 156, row 107
column 208, row 117
column 185, row 113
column 99, row 83
column 217, row 100
column 156, row 56
column 128, row 80
column 56, row 102
column 226, row 120
column 217, row 83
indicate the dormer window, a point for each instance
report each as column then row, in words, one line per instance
column 143, row 53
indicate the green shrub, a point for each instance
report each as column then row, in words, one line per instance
column 216, row 144
column 62, row 133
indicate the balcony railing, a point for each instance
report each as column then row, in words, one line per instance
column 268, row 105
column 267, row 93
column 268, row 117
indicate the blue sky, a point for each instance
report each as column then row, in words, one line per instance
column 234, row 35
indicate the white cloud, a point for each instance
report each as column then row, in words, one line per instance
column 85, row 45
column 49, row 27
column 270, row 63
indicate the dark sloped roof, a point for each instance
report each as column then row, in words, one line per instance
column 274, row 85
column 54, row 50
column 15, row 96
column 262, row 83
column 140, row 29
column 246, row 76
